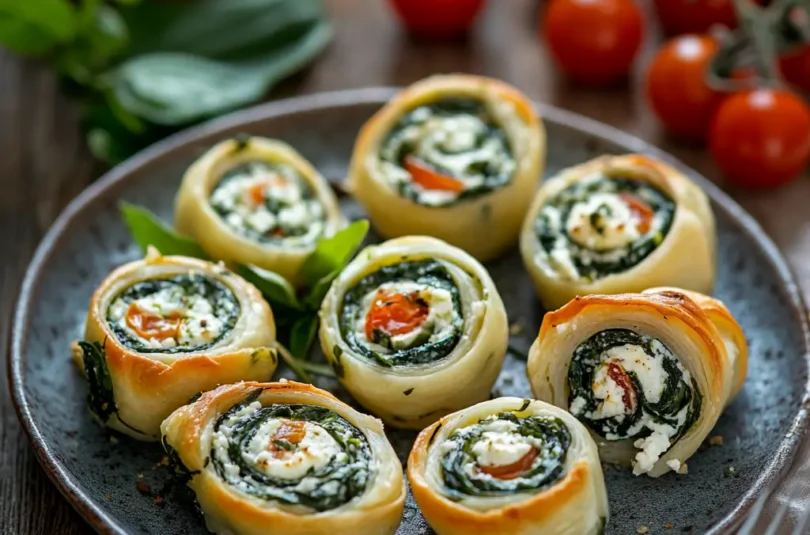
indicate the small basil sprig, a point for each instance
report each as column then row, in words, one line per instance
column 296, row 312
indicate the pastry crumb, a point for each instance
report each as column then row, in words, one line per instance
column 107, row 496
column 669, row 525
column 642, row 529
column 716, row 440
column 516, row 328
column 684, row 469
column 113, row 439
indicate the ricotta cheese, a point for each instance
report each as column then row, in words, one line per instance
column 264, row 202
column 313, row 452
column 198, row 323
column 602, row 222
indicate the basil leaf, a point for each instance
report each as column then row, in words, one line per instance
column 147, row 229
column 302, row 334
column 34, row 27
column 174, row 88
column 276, row 289
column 328, row 259
column 102, row 37
column 206, row 27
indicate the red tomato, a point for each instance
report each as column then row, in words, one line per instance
column 761, row 138
column 594, row 41
column 437, row 18
column 694, row 16
column 796, row 67
column 676, row 86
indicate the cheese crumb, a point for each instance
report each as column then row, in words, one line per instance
column 675, row 464
column 642, row 529
column 651, row 449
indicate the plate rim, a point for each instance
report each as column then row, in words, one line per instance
column 774, row 471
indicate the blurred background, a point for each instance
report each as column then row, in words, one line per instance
column 86, row 83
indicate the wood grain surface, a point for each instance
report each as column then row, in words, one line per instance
column 44, row 164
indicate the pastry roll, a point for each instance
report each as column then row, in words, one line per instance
column 648, row 374
column 509, row 465
column 457, row 157
column 256, row 201
column 618, row 224
column 165, row 328
column 415, row 329
column 285, row 458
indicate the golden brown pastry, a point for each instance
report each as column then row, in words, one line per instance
column 618, row 224
column 414, row 329
column 509, row 465
column 648, row 374
column 288, row 459
column 165, row 328
column 457, row 157
column 256, row 201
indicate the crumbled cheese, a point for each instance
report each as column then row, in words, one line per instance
column 499, row 449
column 649, row 370
column 674, row 464
column 602, row 222
column 651, row 449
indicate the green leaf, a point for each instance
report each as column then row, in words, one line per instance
column 276, row 289
column 329, row 257
column 147, row 229
column 175, row 88
column 101, row 38
column 100, row 397
column 318, row 369
column 207, row 27
column 302, row 334
column 34, row 27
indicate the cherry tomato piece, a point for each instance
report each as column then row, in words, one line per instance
column 148, row 324
column 430, row 179
column 694, row 16
column 437, row 18
column 761, row 138
column 594, row 41
column 676, row 86
column 514, row 470
column 395, row 313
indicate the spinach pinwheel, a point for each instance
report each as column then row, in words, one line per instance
column 414, row 329
column 281, row 458
column 648, row 374
column 509, row 465
column 256, row 201
column 162, row 329
column 456, row 157
column 618, row 224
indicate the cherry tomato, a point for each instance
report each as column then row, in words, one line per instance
column 430, row 179
column 796, row 67
column 395, row 313
column 695, row 16
column 437, row 18
column 513, row 470
column 676, row 86
column 761, row 138
column 594, row 41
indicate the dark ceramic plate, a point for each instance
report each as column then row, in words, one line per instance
column 114, row 481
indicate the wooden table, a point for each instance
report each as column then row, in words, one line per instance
column 44, row 164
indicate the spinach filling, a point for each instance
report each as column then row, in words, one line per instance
column 269, row 202
column 344, row 477
column 453, row 137
column 461, row 471
column 555, row 238
column 182, row 288
column 426, row 348
column 680, row 391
